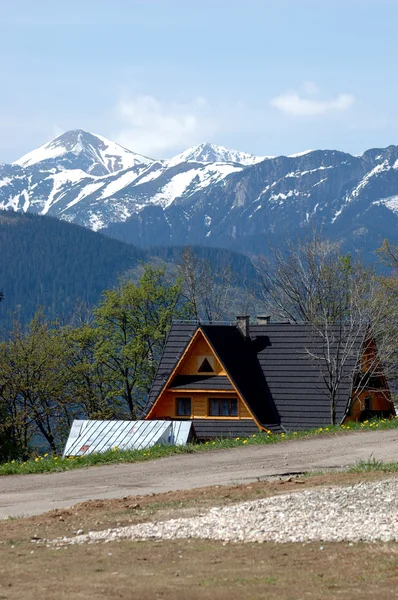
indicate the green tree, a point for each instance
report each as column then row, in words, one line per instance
column 133, row 321
column 34, row 390
column 88, row 380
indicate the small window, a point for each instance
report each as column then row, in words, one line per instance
column 205, row 364
column 183, row 407
column 223, row 407
column 368, row 403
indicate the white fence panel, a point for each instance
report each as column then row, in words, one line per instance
column 88, row 437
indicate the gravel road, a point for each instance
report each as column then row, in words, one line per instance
column 35, row 494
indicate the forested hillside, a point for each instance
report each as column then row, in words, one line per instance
column 54, row 264
column 50, row 263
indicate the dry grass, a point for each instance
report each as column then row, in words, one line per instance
column 182, row 569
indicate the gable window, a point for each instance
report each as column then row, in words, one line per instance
column 223, row 407
column 205, row 364
column 183, row 407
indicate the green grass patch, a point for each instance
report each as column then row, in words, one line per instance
column 50, row 464
column 367, row 466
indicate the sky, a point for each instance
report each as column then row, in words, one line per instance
column 158, row 76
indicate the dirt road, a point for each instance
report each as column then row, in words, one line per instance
column 35, row 494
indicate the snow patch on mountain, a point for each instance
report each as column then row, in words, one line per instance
column 61, row 183
column 384, row 166
column 192, row 180
column 120, row 183
column 391, row 202
column 88, row 189
column 298, row 154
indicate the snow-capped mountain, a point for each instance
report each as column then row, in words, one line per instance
column 207, row 194
column 354, row 199
column 89, row 180
column 211, row 153
column 96, row 154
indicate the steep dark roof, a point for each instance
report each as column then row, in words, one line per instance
column 273, row 371
column 297, row 382
column 239, row 358
column 201, row 382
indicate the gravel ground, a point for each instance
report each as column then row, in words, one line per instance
column 362, row 512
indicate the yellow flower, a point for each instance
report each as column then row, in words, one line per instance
column 254, row 435
column 282, row 434
column 327, row 429
column 245, row 441
column 294, row 432
column 237, row 439
column 37, row 459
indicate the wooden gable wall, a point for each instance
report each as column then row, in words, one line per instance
column 165, row 405
column 189, row 364
column 378, row 396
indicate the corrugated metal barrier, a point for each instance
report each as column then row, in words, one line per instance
column 88, row 437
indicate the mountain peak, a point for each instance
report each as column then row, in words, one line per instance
column 207, row 152
column 90, row 152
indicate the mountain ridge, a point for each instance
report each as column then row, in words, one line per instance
column 207, row 194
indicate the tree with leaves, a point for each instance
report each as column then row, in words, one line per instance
column 34, row 390
column 132, row 323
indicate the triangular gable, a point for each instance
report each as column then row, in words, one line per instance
column 205, row 366
column 197, row 356
column 183, row 362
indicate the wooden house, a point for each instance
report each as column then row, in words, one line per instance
column 234, row 380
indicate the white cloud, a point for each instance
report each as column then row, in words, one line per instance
column 152, row 127
column 294, row 104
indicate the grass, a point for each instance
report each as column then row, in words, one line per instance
column 367, row 466
column 50, row 464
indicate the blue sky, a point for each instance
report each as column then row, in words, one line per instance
column 265, row 76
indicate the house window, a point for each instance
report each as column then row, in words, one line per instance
column 368, row 403
column 223, row 407
column 205, row 364
column 183, row 407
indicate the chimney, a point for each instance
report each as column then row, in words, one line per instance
column 242, row 323
column 263, row 319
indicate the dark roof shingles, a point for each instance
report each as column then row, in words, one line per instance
column 201, row 382
column 272, row 370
